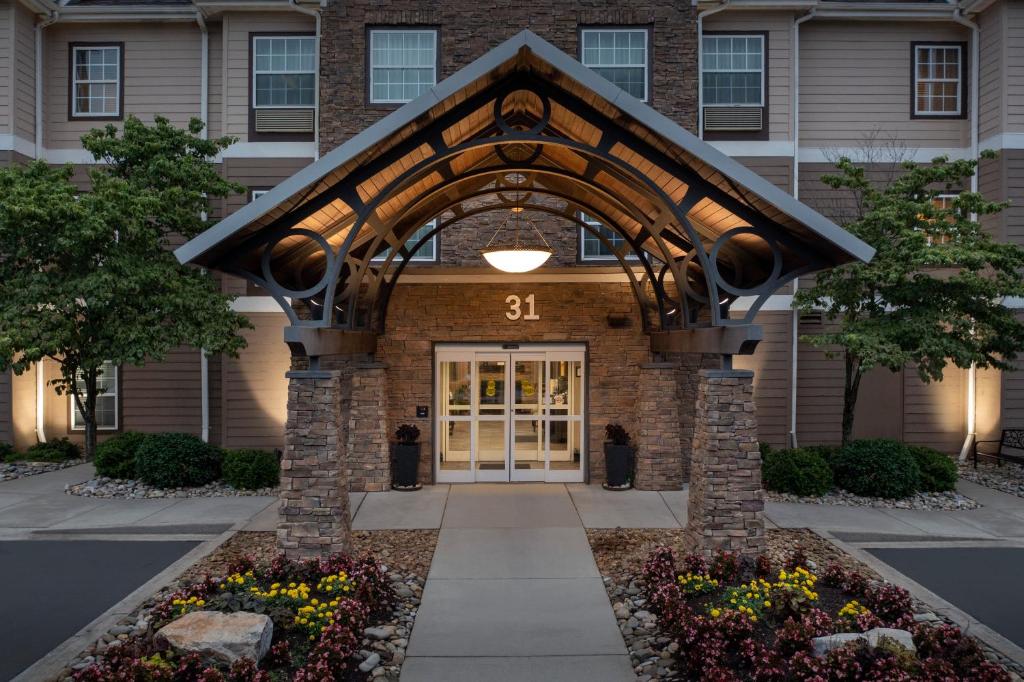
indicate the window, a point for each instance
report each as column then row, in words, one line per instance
column 592, row 248
column 620, row 55
column 106, row 401
column 944, row 202
column 255, row 194
column 428, row 252
column 938, row 80
column 732, row 70
column 284, row 72
column 403, row 64
column 96, row 81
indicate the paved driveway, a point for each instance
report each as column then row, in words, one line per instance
column 51, row 589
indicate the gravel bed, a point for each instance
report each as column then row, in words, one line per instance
column 620, row 554
column 948, row 501
column 130, row 489
column 12, row 470
column 405, row 554
column 1008, row 478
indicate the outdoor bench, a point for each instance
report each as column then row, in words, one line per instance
column 1010, row 439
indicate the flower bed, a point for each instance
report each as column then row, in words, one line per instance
column 322, row 613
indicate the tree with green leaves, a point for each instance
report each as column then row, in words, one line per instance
column 933, row 294
column 88, row 277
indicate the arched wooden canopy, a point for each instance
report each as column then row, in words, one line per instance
column 526, row 123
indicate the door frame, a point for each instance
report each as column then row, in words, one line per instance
column 525, row 347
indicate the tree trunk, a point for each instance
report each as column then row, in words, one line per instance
column 851, row 386
column 87, row 407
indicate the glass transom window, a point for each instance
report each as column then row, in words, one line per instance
column 732, row 69
column 96, row 81
column 403, row 64
column 592, row 248
column 284, row 71
column 620, row 55
column 937, row 83
column 428, row 252
column 106, row 400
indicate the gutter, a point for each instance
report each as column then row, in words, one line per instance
column 204, row 107
column 40, row 402
column 700, row 62
column 316, row 66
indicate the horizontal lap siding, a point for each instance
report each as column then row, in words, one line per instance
column 258, row 174
column 255, row 390
column 819, row 394
column 777, row 170
column 771, row 366
column 1014, row 73
column 164, row 396
column 856, row 77
column 215, row 103
column 161, row 71
column 778, row 26
column 1013, row 180
column 6, row 414
column 24, row 96
column 992, row 90
column 934, row 412
column 7, row 8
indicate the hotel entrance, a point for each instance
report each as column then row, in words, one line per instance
column 509, row 414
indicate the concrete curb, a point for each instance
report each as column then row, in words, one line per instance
column 49, row 666
column 963, row 620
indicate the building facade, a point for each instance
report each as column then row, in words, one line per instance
column 513, row 377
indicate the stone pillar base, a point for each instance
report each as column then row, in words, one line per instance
column 368, row 451
column 314, row 513
column 659, row 456
column 726, row 509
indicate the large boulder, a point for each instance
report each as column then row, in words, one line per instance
column 220, row 637
column 872, row 638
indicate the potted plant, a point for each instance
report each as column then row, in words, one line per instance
column 618, row 458
column 406, row 461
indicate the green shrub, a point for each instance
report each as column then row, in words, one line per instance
column 251, row 469
column 876, row 468
column 801, row 471
column 7, row 452
column 764, row 448
column 826, row 452
column 115, row 457
column 176, row 460
column 57, row 450
column 938, row 471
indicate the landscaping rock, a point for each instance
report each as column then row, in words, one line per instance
column 948, row 501
column 371, row 662
column 823, row 645
column 129, row 489
column 12, row 470
column 220, row 637
column 901, row 637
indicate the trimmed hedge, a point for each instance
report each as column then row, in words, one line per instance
column 177, row 460
column 115, row 457
column 801, row 471
column 877, row 468
column 57, row 450
column 938, row 471
column 251, row 469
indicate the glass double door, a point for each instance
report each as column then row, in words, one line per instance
column 509, row 415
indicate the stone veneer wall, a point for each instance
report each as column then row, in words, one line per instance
column 659, row 460
column 420, row 315
column 368, row 449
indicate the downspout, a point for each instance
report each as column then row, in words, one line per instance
column 794, row 350
column 700, row 62
column 972, row 373
column 52, row 19
column 204, row 107
column 316, row 67
column 40, row 402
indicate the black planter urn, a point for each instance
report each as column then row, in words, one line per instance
column 405, row 466
column 618, row 464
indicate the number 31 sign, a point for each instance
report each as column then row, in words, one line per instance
column 516, row 304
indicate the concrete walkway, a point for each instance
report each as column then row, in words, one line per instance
column 513, row 592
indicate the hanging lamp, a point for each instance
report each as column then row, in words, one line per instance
column 518, row 255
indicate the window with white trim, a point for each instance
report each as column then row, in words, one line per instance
column 620, row 55
column 257, row 193
column 106, row 400
column 732, row 70
column 96, row 81
column 938, row 80
column 428, row 252
column 592, row 248
column 403, row 64
column 283, row 72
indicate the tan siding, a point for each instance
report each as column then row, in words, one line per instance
column 23, row 409
column 992, row 184
column 259, row 174
column 6, row 413
column 255, row 389
column 161, row 71
column 771, row 366
column 1013, row 180
column 855, row 77
column 778, row 26
column 6, row 66
column 878, row 413
column 215, row 105
column 216, row 385
column 777, row 170
column 819, row 395
column 992, row 83
column 24, row 98
column 237, row 28
column 163, row 396
column 934, row 412
column 1014, row 73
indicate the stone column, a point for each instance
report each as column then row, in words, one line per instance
column 726, row 509
column 369, row 453
column 659, row 455
column 314, row 514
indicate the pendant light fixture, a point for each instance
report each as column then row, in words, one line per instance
column 517, row 255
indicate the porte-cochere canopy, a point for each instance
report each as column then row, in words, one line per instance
column 525, row 123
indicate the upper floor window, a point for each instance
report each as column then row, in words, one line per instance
column 403, row 64
column 284, row 71
column 255, row 194
column 591, row 246
column 106, row 401
column 427, row 252
column 620, row 55
column 938, row 80
column 96, row 80
column 732, row 70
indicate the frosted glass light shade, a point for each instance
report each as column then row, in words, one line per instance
column 510, row 259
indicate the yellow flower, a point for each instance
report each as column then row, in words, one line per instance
column 715, row 613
